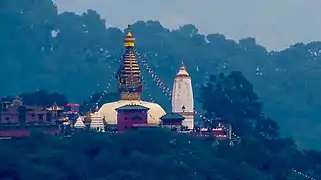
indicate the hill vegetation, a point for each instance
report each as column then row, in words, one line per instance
column 77, row 55
column 160, row 155
column 260, row 154
column 148, row 155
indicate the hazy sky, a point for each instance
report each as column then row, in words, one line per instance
column 274, row 23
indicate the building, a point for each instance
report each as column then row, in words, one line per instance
column 54, row 110
column 131, row 116
column 16, row 112
column 130, row 87
column 182, row 97
column 97, row 122
column 18, row 120
column 173, row 121
column 19, row 130
column 79, row 123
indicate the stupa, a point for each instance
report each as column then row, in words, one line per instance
column 79, row 123
column 130, row 87
column 97, row 122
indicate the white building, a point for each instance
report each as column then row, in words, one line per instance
column 97, row 122
column 79, row 123
column 182, row 97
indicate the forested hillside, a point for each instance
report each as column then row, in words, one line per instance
column 150, row 155
column 72, row 54
column 142, row 154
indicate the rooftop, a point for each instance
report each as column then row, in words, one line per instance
column 182, row 71
column 132, row 107
column 172, row 116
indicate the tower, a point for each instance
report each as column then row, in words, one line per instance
column 129, row 75
column 182, row 97
column 130, row 87
column 97, row 122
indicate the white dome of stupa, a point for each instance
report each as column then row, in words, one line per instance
column 108, row 111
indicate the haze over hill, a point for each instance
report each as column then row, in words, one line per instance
column 275, row 24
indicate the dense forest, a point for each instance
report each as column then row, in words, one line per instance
column 135, row 156
column 78, row 55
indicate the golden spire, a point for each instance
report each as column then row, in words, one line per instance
column 129, row 40
column 129, row 75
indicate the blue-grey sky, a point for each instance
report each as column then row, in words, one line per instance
column 274, row 23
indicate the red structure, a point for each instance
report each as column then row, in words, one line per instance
column 16, row 131
column 73, row 107
column 131, row 116
column 172, row 121
column 18, row 113
column 18, row 120
column 219, row 132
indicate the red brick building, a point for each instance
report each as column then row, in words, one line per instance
column 23, row 114
column 130, row 116
column 18, row 120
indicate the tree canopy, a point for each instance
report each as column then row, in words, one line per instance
column 143, row 154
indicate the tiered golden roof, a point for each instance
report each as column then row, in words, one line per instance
column 129, row 40
column 130, row 87
column 130, row 82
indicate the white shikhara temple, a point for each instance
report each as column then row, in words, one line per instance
column 182, row 97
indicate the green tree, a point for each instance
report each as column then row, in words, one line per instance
column 231, row 99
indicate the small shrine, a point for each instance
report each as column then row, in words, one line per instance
column 79, row 123
column 97, row 122
column 172, row 121
column 55, row 109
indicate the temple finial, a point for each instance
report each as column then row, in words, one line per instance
column 129, row 40
column 182, row 65
column 97, row 108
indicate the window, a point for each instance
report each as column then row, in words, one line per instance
column 126, row 118
column 125, row 127
column 7, row 118
column 33, row 115
column 40, row 116
column 136, row 118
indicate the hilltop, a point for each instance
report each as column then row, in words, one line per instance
column 71, row 54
